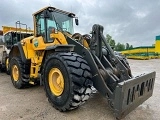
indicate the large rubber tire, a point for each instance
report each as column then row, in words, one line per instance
column 77, row 80
column 7, row 70
column 23, row 78
column 1, row 68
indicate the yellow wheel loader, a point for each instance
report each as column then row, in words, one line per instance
column 68, row 65
column 11, row 36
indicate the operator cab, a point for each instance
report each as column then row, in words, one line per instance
column 50, row 19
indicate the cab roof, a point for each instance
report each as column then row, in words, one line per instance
column 54, row 9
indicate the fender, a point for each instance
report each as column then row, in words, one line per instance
column 17, row 50
column 60, row 48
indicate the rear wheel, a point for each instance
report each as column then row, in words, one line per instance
column 67, row 80
column 7, row 66
column 1, row 68
column 18, row 76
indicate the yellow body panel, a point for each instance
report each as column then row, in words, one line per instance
column 85, row 44
column 59, row 38
column 34, row 48
column 27, row 47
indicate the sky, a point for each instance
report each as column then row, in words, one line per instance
column 136, row 22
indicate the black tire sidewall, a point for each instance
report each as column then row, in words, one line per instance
column 61, row 100
column 1, row 68
column 18, row 83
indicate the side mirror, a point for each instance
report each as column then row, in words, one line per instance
column 76, row 21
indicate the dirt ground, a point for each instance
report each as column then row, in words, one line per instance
column 32, row 104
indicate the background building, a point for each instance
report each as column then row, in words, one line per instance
column 144, row 52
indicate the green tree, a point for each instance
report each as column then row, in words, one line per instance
column 112, row 43
column 131, row 46
column 110, row 40
column 119, row 47
column 127, row 46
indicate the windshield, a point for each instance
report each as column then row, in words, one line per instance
column 54, row 20
column 63, row 22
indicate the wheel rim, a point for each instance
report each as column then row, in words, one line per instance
column 7, row 64
column 56, row 81
column 15, row 72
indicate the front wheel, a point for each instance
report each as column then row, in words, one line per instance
column 18, row 76
column 67, row 80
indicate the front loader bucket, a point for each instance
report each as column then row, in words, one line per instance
column 133, row 92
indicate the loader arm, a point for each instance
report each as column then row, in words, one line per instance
column 112, row 75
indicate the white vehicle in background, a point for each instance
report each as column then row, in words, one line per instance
column 3, row 56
